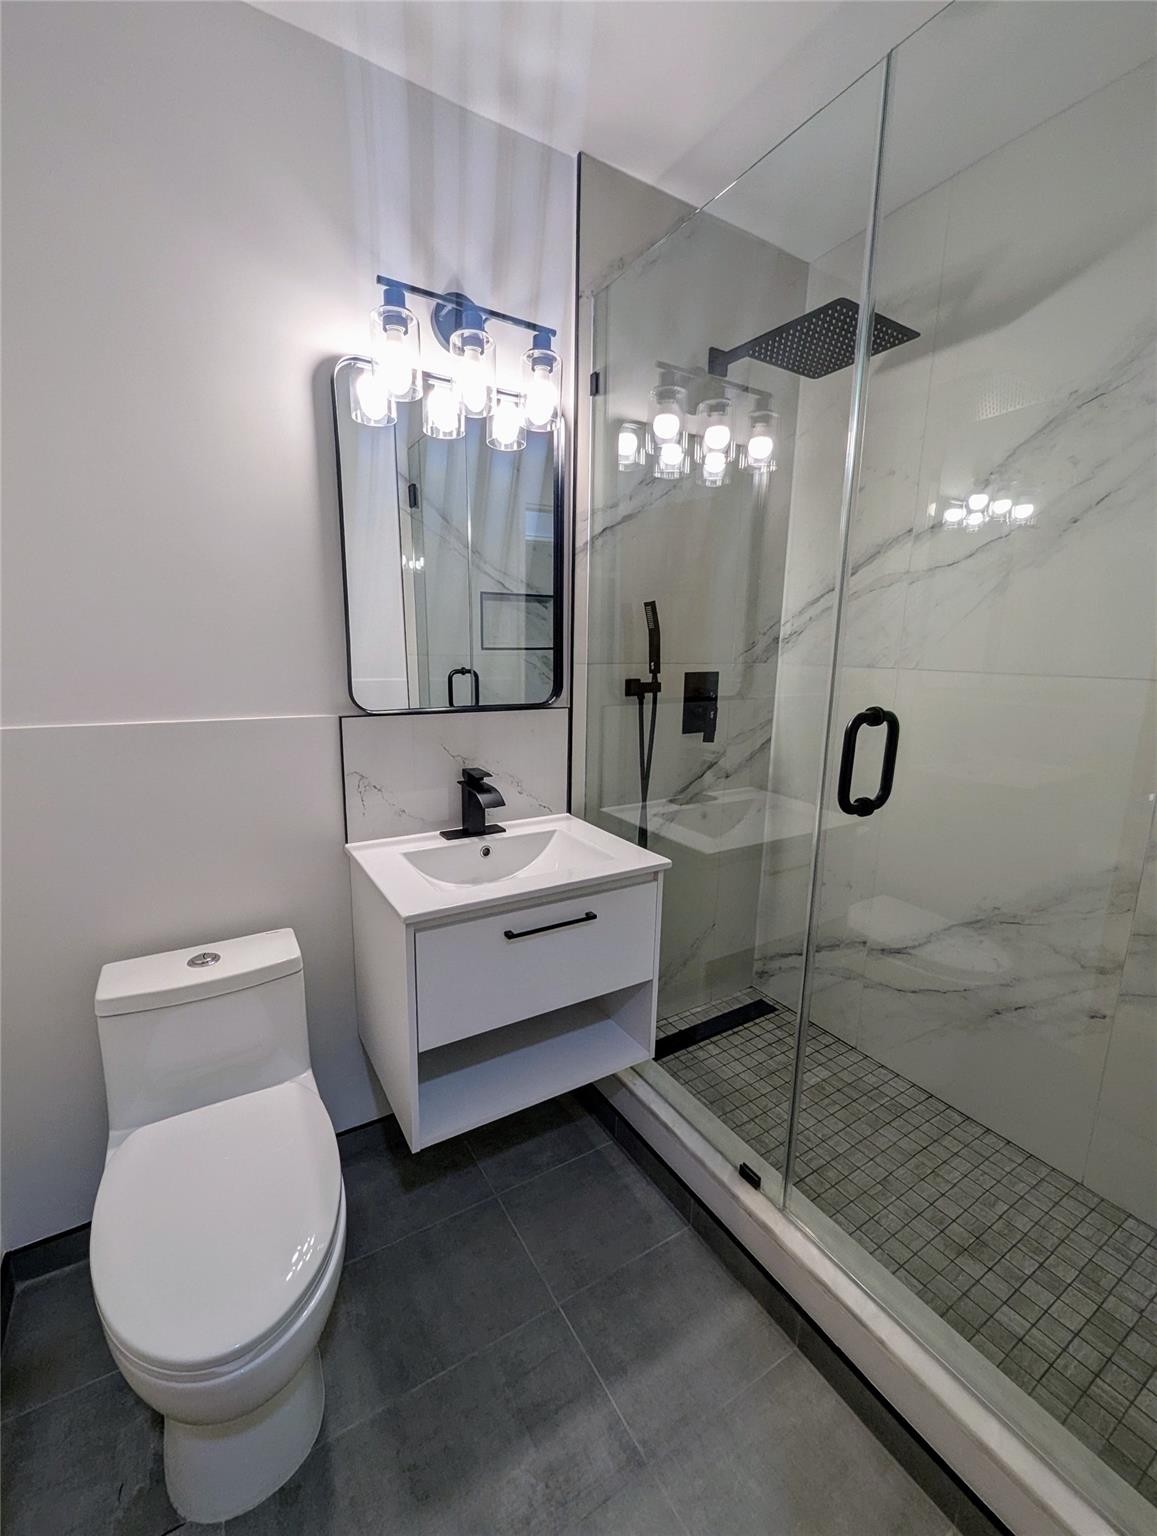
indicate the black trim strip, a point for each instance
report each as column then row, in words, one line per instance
column 721, row 1024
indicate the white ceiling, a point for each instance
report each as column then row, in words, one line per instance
column 684, row 94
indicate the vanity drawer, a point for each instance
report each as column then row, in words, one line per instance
column 478, row 975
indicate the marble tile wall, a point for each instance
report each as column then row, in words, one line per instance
column 401, row 771
column 974, row 934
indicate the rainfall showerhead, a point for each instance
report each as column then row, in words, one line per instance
column 814, row 345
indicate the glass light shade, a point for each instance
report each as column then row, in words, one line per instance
column 978, row 501
column 506, row 430
column 1023, row 511
column 668, row 414
column 395, row 346
column 542, row 388
column 630, row 445
column 371, row 403
column 670, row 460
column 759, row 454
column 474, row 360
column 717, row 433
column 443, row 415
column 1001, row 507
column 973, row 519
column 954, row 514
column 714, row 467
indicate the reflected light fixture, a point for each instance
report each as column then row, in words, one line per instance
column 1023, row 511
column 507, row 429
column 630, row 445
column 669, row 460
column 760, row 453
column 443, row 414
column 716, row 426
column 371, row 403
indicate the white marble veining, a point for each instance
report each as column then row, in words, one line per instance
column 401, row 771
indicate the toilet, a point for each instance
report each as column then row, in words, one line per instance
column 219, row 1228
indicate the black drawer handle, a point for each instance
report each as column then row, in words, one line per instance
column 873, row 715
column 567, row 922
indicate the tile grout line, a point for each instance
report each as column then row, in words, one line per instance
column 558, row 1307
column 60, row 1397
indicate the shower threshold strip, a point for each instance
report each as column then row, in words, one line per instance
column 708, row 1029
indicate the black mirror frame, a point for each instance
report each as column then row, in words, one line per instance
column 558, row 573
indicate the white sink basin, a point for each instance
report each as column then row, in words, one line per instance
column 427, row 876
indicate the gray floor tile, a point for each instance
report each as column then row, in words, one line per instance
column 519, row 1439
column 674, row 1337
column 422, row 1304
column 789, row 1456
column 54, row 1342
column 588, row 1217
column 88, row 1464
column 391, row 1192
column 518, row 1148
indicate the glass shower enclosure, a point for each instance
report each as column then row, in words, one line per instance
column 902, row 752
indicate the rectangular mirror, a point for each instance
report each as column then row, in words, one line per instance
column 453, row 561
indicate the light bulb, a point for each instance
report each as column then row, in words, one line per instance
column 717, row 437
column 628, row 446
column 474, row 384
column 394, row 364
column 954, row 514
column 665, row 427
column 373, row 396
column 1022, row 510
column 974, row 519
column 670, row 455
column 759, row 449
column 1001, row 507
column 714, row 466
column 443, row 412
column 506, row 423
column 541, row 399
column 977, row 501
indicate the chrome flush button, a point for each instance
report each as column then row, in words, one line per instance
column 206, row 957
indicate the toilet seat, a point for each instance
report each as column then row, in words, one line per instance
column 213, row 1228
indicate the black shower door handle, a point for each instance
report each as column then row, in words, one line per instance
column 873, row 715
column 475, row 685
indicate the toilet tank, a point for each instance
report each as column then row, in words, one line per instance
column 195, row 1026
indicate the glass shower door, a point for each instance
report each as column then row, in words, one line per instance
column 740, row 304
column 978, row 1103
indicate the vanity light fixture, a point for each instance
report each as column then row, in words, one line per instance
column 472, row 351
column 396, row 349
column 541, row 385
column 394, row 372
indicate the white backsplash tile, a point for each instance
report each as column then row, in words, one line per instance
column 401, row 771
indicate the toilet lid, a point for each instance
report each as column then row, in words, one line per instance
column 212, row 1226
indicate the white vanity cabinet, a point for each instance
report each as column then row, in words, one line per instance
column 495, row 972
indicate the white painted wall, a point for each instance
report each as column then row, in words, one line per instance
column 198, row 198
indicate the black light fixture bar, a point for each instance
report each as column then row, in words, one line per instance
column 815, row 344
column 453, row 311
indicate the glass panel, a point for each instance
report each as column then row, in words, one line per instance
column 706, row 346
column 978, row 1105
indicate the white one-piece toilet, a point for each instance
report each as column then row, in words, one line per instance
column 219, row 1228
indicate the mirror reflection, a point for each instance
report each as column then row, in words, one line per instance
column 453, row 561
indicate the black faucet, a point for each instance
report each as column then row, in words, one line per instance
column 478, row 797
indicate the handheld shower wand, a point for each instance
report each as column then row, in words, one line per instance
column 637, row 688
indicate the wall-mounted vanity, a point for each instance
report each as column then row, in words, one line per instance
column 494, row 972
